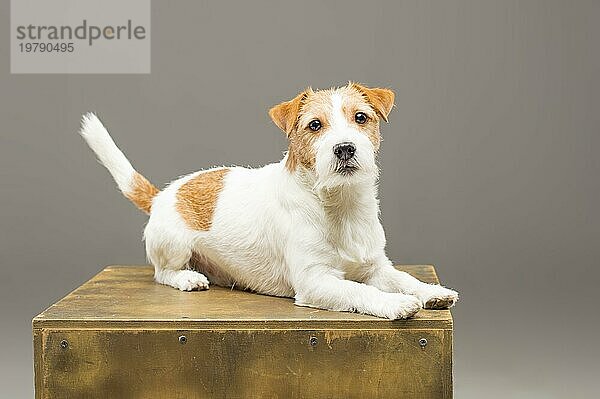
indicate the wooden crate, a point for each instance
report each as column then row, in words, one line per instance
column 121, row 335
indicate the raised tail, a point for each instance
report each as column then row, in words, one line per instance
column 133, row 185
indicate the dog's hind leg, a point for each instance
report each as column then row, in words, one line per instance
column 171, row 262
column 185, row 280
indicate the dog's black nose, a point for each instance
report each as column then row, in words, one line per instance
column 344, row 151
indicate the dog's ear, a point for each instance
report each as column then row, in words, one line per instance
column 285, row 115
column 382, row 100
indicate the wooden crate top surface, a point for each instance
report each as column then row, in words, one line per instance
column 127, row 297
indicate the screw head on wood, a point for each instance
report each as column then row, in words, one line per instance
column 182, row 339
column 64, row 344
column 313, row 341
column 423, row 342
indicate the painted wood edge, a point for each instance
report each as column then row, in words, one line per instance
column 109, row 324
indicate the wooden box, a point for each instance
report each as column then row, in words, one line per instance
column 121, row 335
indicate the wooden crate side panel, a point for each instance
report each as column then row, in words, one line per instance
column 448, row 348
column 38, row 362
column 243, row 364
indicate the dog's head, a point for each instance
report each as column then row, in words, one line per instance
column 334, row 133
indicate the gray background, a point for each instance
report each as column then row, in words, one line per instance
column 490, row 168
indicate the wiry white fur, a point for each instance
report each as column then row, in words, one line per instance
column 312, row 235
column 97, row 137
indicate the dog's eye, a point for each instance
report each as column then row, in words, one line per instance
column 314, row 125
column 360, row 118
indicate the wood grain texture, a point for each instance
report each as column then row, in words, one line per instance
column 127, row 296
column 122, row 332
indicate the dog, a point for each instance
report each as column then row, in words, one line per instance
column 306, row 227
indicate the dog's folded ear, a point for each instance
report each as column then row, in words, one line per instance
column 382, row 100
column 285, row 115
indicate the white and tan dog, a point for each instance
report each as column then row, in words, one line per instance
column 305, row 227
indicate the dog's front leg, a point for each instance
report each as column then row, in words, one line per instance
column 386, row 277
column 322, row 287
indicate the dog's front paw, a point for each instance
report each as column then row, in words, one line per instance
column 399, row 306
column 434, row 296
column 188, row 280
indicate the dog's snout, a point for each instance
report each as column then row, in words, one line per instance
column 344, row 151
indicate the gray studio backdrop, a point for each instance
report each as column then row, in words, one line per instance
column 490, row 162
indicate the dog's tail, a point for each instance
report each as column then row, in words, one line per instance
column 133, row 185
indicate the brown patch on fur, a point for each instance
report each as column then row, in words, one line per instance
column 285, row 115
column 315, row 105
column 197, row 198
column 307, row 106
column 142, row 192
column 355, row 101
column 382, row 100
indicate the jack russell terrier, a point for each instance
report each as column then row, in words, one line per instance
column 306, row 227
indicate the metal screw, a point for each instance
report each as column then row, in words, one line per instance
column 64, row 344
column 423, row 342
column 313, row 341
column 182, row 339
